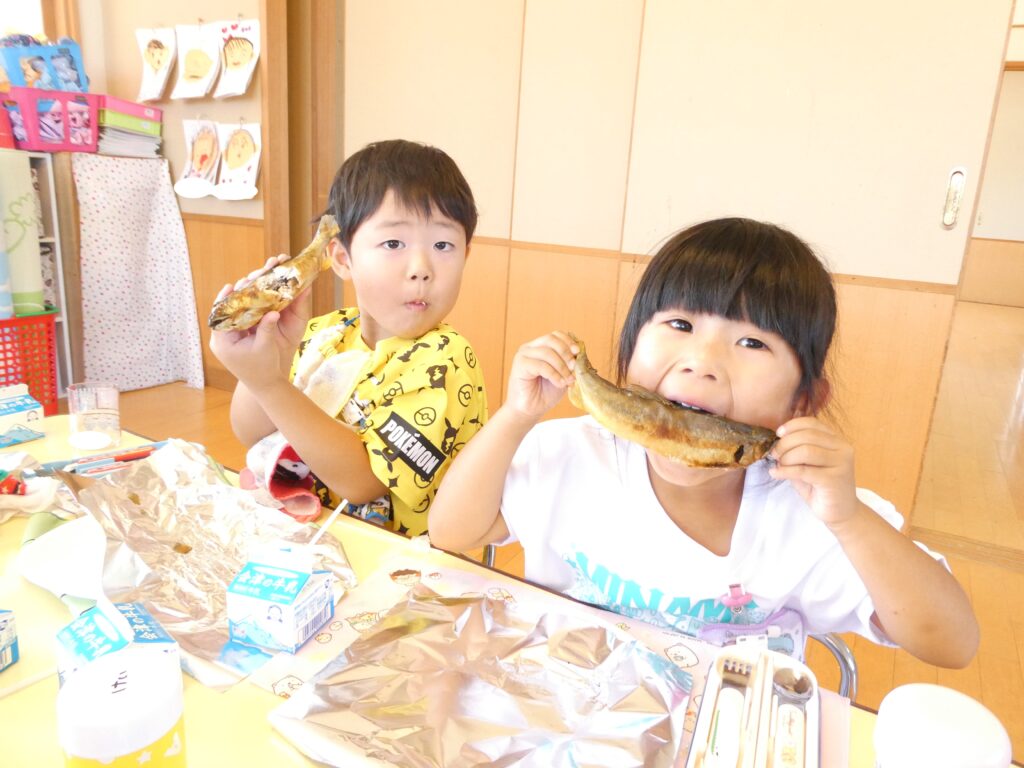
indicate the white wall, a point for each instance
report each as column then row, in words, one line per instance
column 444, row 72
column 1000, row 214
column 1015, row 47
column 22, row 17
column 843, row 126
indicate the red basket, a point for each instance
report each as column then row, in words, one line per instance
column 28, row 355
column 53, row 121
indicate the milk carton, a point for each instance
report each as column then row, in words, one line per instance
column 21, row 416
column 278, row 606
column 8, row 639
column 94, row 634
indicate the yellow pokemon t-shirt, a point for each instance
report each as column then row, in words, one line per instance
column 414, row 403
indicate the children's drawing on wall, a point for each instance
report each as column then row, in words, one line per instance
column 203, row 156
column 240, row 52
column 240, row 160
column 198, row 59
column 158, row 48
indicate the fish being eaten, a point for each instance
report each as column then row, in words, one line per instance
column 276, row 289
column 693, row 437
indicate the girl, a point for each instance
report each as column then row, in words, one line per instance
column 734, row 317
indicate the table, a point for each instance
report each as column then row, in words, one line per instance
column 228, row 728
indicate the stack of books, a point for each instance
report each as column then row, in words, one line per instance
column 129, row 129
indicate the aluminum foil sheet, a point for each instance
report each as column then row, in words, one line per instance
column 472, row 680
column 177, row 533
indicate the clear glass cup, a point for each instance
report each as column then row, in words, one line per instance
column 95, row 416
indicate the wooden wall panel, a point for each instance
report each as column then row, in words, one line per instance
column 575, row 118
column 445, row 72
column 886, row 365
column 479, row 314
column 221, row 251
column 550, row 291
column 994, row 272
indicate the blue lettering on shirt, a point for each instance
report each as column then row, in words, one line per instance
column 598, row 585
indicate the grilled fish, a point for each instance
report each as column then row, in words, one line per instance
column 277, row 288
column 692, row 437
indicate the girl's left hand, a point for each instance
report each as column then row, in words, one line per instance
column 819, row 463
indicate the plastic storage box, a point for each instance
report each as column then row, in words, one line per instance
column 53, row 121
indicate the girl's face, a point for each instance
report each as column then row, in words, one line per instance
column 727, row 367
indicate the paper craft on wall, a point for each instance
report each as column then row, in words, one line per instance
column 158, row 47
column 239, row 54
column 203, row 153
column 198, row 59
column 240, row 147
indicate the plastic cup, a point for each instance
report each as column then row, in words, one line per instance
column 95, row 416
column 124, row 708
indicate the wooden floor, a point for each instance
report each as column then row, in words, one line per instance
column 970, row 504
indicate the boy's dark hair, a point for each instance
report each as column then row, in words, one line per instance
column 742, row 270
column 422, row 177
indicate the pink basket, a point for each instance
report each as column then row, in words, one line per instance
column 53, row 121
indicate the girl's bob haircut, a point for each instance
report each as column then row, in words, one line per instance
column 744, row 270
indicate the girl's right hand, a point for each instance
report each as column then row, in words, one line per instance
column 541, row 372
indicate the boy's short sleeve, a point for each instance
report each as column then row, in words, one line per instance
column 419, row 412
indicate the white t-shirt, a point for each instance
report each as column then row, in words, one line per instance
column 580, row 501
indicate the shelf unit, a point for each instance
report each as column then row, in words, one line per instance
column 50, row 235
column 42, row 162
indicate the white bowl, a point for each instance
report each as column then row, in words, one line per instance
column 924, row 724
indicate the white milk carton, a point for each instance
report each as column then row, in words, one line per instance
column 93, row 634
column 8, row 639
column 21, row 416
column 278, row 606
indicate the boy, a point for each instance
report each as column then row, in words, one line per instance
column 380, row 396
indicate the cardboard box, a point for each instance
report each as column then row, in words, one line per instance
column 8, row 639
column 20, row 416
column 278, row 608
column 93, row 634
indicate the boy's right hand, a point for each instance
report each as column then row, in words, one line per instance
column 541, row 372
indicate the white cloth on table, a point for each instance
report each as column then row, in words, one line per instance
column 138, row 306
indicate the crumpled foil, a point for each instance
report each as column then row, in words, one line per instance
column 471, row 680
column 177, row 534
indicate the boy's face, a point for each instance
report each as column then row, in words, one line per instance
column 406, row 270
